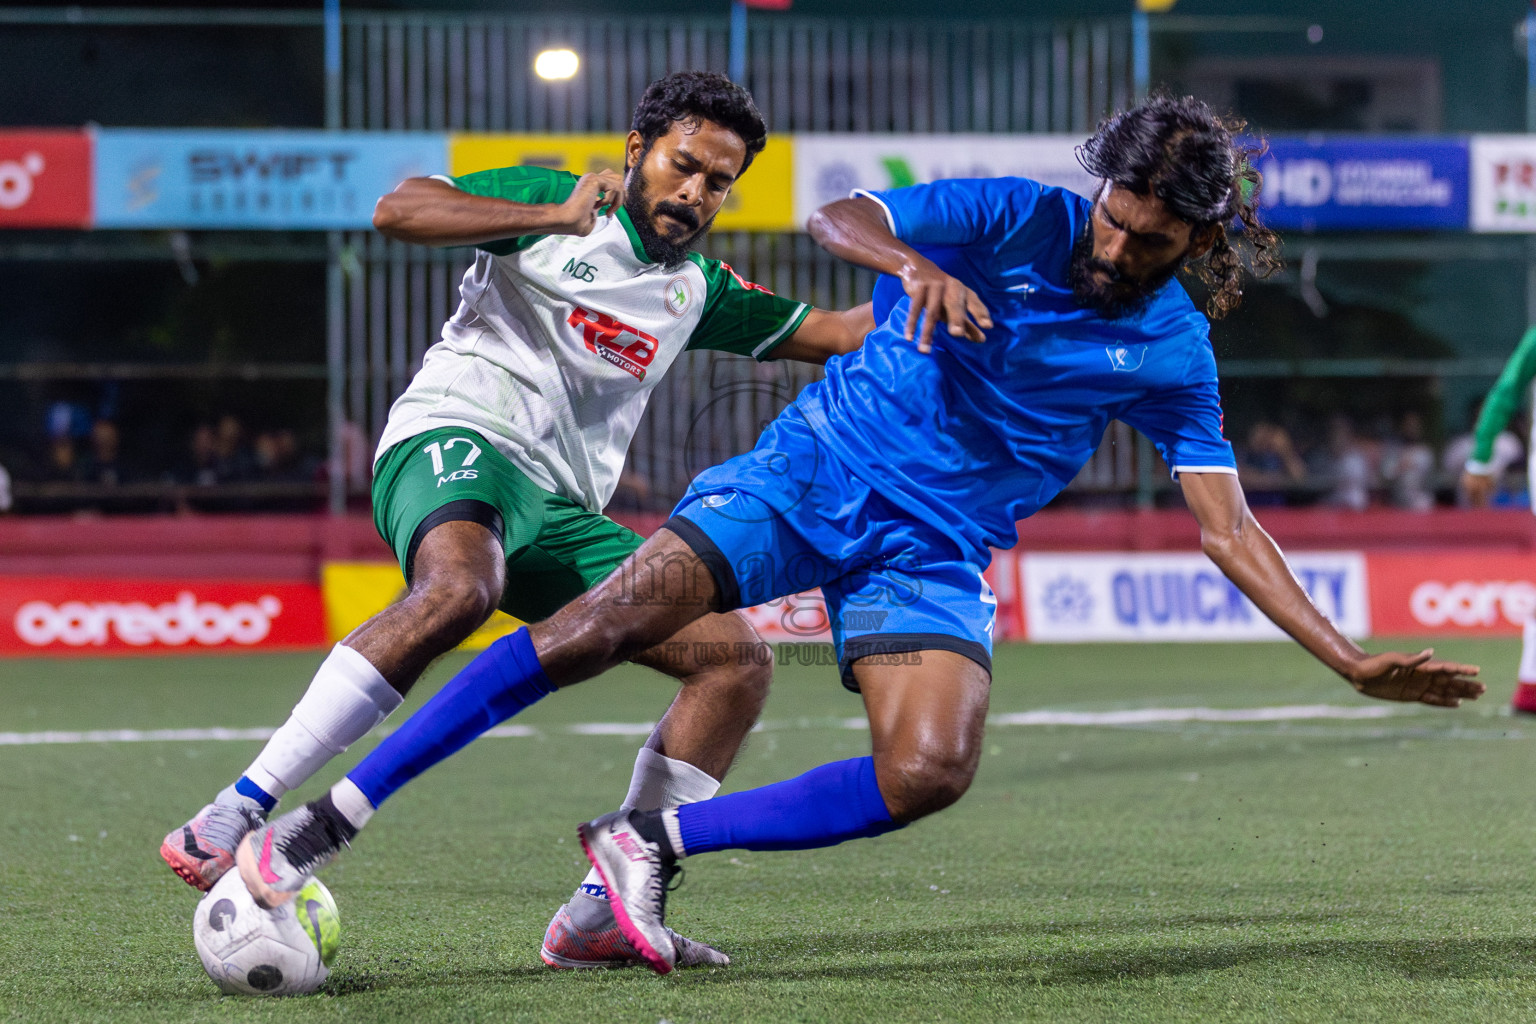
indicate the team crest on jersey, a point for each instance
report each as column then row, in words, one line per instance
column 678, row 295
column 628, row 348
column 1126, row 358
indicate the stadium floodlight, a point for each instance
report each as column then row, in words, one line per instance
column 556, row 65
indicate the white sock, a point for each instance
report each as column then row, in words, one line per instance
column 349, row 800
column 346, row 699
column 1527, row 672
column 658, row 781
column 674, row 831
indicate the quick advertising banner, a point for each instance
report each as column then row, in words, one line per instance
column 75, row 616
column 1452, row 592
column 297, row 180
column 1503, row 182
column 762, row 200
column 1176, row 596
column 828, row 167
column 1382, row 184
column 45, row 179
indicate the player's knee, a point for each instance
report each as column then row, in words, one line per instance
column 455, row 606
column 924, row 781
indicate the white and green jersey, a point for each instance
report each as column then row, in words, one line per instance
column 559, row 340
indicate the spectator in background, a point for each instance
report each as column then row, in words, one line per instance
column 1269, row 464
column 1348, row 466
column 103, row 462
column 62, row 465
column 201, row 468
column 232, row 457
column 5, row 491
column 1408, row 465
column 276, row 457
column 1504, row 451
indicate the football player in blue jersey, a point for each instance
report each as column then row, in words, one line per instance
column 888, row 483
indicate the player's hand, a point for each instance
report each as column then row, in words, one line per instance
column 1478, row 487
column 937, row 296
column 1415, row 677
column 599, row 194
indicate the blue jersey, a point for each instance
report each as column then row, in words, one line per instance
column 974, row 437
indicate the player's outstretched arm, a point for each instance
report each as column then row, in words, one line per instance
column 428, row 211
column 824, row 334
column 1234, row 540
column 856, row 230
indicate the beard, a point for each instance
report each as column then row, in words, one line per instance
column 643, row 213
column 1120, row 296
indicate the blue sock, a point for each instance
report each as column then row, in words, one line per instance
column 245, row 787
column 503, row 680
column 823, row 807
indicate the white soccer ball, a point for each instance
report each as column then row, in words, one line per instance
column 247, row 949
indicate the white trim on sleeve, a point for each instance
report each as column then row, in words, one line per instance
column 793, row 320
column 1479, row 468
column 890, row 218
column 1229, row 470
column 445, row 179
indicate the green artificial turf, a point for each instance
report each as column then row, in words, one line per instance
column 1309, row 871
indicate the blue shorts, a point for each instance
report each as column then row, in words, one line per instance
column 788, row 516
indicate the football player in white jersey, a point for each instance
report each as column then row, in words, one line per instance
column 497, row 461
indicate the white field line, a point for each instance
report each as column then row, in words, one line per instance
column 1136, row 716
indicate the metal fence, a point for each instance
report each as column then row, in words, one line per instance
column 807, row 74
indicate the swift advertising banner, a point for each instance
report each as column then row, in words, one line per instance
column 1380, row 184
column 305, row 180
column 828, row 167
column 63, row 615
column 1503, row 183
column 45, row 179
column 761, row 201
column 1175, row 596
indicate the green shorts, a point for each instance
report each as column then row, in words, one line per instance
column 555, row 548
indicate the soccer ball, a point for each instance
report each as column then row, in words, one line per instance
column 247, row 949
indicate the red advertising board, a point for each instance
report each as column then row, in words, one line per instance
column 65, row 615
column 45, row 179
column 1451, row 591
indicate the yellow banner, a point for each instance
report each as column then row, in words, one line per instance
column 763, row 200
column 354, row 592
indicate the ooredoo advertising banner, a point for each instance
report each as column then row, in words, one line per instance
column 254, row 179
column 45, row 179
column 1175, row 596
column 62, row 615
column 1380, row 184
column 828, row 167
column 1452, row 592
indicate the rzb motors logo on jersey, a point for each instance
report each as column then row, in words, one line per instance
column 628, row 348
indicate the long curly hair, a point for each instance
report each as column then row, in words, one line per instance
column 1181, row 151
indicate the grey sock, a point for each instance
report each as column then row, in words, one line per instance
column 590, row 914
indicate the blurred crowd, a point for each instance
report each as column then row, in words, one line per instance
column 1388, row 464
column 216, row 453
